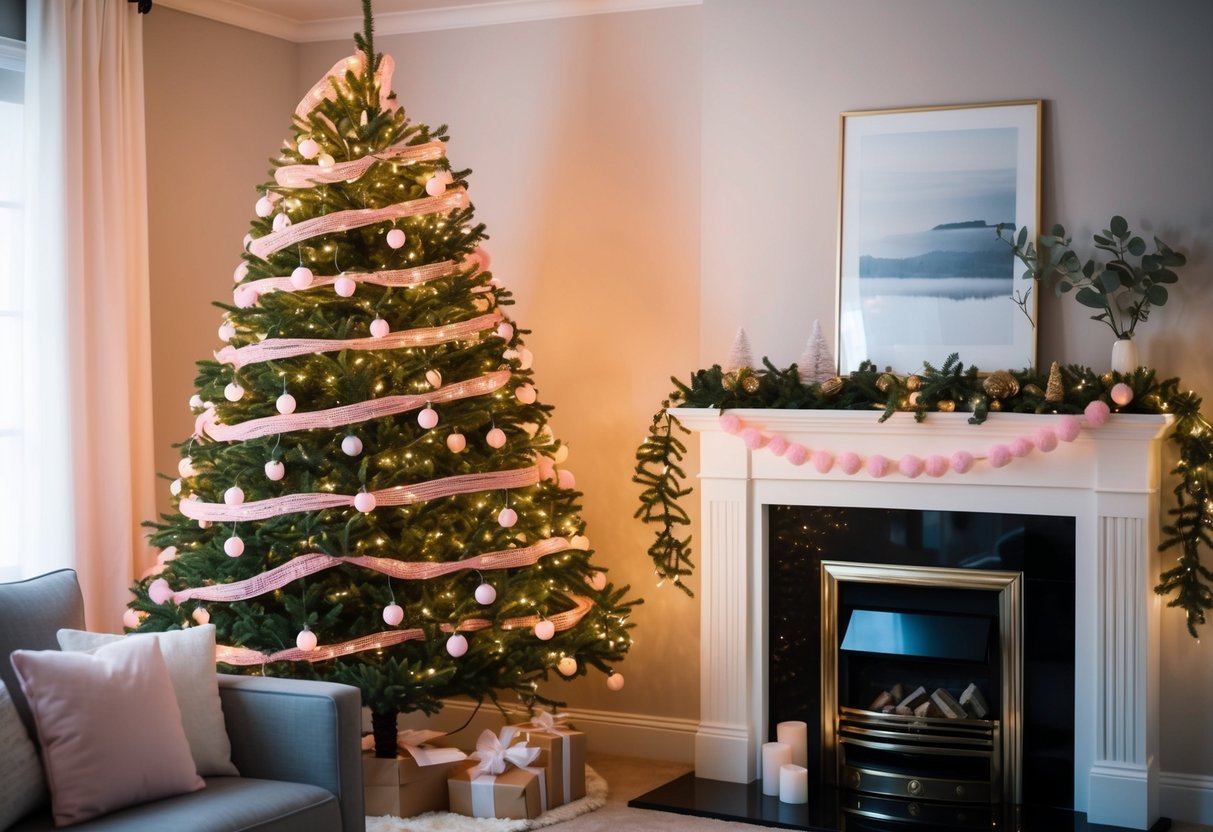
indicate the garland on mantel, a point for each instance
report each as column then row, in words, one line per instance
column 950, row 388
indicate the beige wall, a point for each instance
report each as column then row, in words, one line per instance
column 219, row 102
column 1128, row 117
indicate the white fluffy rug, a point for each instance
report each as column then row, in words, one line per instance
column 595, row 798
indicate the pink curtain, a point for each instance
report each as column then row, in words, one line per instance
column 87, row 265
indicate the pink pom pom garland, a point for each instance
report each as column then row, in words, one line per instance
column 797, row 454
column 1097, row 413
column 878, row 465
column 850, row 462
column 910, row 465
column 936, row 465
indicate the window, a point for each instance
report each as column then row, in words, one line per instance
column 12, row 263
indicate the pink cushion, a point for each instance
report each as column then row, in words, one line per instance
column 109, row 727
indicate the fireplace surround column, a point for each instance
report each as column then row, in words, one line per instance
column 1108, row 480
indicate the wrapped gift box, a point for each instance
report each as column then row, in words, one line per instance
column 414, row 782
column 512, row 794
column 564, row 749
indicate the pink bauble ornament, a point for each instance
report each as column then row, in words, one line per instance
column 1069, row 428
column 797, row 454
column 393, row 614
column 167, row 554
column 878, row 465
column 240, row 273
column 936, row 465
column 281, row 221
column 544, row 630
column 275, row 470
column 525, row 358
column 427, row 418
column 395, row 238
column 999, row 455
column 263, row 207
column 505, row 330
column 565, row 479
column 186, row 467
column 849, row 462
column 525, row 394
column 910, row 465
column 159, row 591
column 174, row 487
column 201, row 616
column 495, row 438
column 380, row 328
column 364, row 501
column 246, row 297
column 753, row 438
column 130, row 619
column 485, row 594
column 615, row 681
column 306, row 640
column 309, row 148
column 435, row 186
column 1097, row 412
column 433, row 378
column 567, row 666
column 777, row 445
column 1022, row 446
column 823, row 461
column 1046, row 439
column 962, row 461
column 351, row 445
column 730, row 423
column 456, row 645
column 233, row 547
column 285, row 404
column 507, row 518
column 325, row 160
column 195, row 402
column 580, row 541
column 1122, row 393
column 345, row 286
column 560, row 454
column 598, row 581
column 302, row 277
column 233, row 392
column 234, row 496
column 456, row 442
column 226, row 331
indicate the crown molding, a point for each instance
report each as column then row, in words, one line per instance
column 12, row 54
column 400, row 23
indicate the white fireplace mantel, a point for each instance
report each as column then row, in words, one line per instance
column 1107, row 479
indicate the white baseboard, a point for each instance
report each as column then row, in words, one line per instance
column 607, row 732
column 1186, row 797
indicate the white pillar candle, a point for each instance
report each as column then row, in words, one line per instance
column 793, row 784
column 795, row 734
column 774, row 755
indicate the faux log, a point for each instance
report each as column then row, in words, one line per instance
column 915, row 699
column 974, row 702
column 948, row 706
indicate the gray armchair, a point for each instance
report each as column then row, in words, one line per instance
column 295, row 743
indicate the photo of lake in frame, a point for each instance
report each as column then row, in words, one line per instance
column 922, row 273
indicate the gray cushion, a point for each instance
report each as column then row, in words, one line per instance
column 227, row 803
column 31, row 613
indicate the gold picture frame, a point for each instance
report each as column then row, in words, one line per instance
column 921, row 271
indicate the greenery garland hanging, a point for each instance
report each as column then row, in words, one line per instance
column 952, row 387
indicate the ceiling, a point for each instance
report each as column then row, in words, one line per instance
column 317, row 20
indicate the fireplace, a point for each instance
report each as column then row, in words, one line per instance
column 1104, row 486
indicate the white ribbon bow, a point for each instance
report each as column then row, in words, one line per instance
column 547, row 722
column 413, row 742
column 496, row 754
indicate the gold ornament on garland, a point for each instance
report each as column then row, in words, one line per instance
column 995, row 405
column 945, row 405
column 1032, row 391
column 831, row 387
column 1055, row 392
column 1000, row 385
column 885, row 381
column 751, row 383
column 913, row 383
column 729, row 381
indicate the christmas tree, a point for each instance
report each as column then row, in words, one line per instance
column 372, row 494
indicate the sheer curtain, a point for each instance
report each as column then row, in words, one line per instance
column 87, row 375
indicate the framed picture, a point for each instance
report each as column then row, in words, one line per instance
column 921, row 271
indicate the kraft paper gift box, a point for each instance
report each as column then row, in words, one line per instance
column 501, row 781
column 565, row 747
column 414, row 782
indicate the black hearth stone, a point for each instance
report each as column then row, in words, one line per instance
column 832, row 810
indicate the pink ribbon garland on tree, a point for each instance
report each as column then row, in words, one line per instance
column 272, row 349
column 303, row 176
column 324, row 89
column 304, row 566
column 414, row 276
column 244, row 656
column 336, row 417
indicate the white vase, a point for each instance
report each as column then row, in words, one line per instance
column 1124, row 356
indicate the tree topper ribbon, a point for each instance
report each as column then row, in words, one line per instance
column 323, row 89
column 496, row 754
